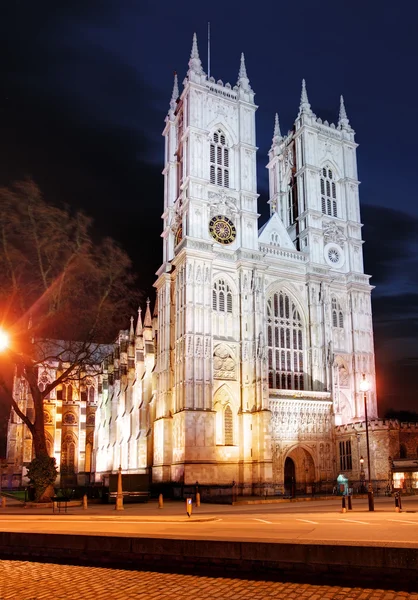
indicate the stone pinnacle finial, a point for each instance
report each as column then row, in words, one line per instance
column 242, row 68
column 304, row 107
column 131, row 329
column 175, row 93
column 243, row 80
column 148, row 320
column 195, row 51
column 277, row 135
column 195, row 64
column 343, row 121
column 139, row 323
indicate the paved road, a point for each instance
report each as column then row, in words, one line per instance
column 309, row 522
column 36, row 581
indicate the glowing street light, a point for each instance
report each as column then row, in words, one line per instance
column 364, row 387
column 4, row 340
column 362, row 475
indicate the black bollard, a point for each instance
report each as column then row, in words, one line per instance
column 350, row 506
column 343, row 507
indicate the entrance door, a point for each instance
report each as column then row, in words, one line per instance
column 289, row 477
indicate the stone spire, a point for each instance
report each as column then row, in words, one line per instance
column 139, row 324
column 175, row 93
column 243, row 80
column 305, row 107
column 148, row 320
column 131, row 330
column 343, row 121
column 277, row 135
column 195, row 64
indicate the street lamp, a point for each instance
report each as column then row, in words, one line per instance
column 364, row 387
column 362, row 474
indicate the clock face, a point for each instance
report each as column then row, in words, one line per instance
column 222, row 229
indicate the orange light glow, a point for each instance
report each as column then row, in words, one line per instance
column 4, row 340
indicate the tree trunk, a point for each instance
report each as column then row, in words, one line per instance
column 47, row 494
column 39, row 440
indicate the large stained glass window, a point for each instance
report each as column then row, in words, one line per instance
column 285, row 343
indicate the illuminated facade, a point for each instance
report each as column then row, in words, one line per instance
column 263, row 333
column 96, row 422
column 250, row 369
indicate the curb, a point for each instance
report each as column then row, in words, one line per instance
column 393, row 566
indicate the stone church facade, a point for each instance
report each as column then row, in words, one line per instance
column 250, row 368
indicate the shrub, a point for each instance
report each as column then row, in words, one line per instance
column 42, row 473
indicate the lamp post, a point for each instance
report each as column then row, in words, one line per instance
column 364, row 387
column 362, row 475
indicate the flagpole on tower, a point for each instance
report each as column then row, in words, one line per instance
column 208, row 49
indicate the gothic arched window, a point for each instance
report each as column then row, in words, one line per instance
column 228, row 427
column 66, row 392
column 284, row 343
column 328, row 193
column 337, row 314
column 68, row 449
column 219, row 160
column 222, row 297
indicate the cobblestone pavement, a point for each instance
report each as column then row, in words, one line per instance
column 35, row 581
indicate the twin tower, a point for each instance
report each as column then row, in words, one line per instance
column 263, row 333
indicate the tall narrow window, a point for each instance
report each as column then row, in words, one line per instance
column 345, row 456
column 328, row 193
column 337, row 314
column 285, row 343
column 219, row 160
column 222, row 297
column 68, row 450
column 292, row 202
column 228, row 427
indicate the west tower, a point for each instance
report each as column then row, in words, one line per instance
column 212, row 418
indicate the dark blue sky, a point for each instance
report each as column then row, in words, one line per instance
column 84, row 90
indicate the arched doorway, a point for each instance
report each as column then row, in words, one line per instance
column 289, row 477
column 299, row 472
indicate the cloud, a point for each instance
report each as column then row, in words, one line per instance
column 390, row 250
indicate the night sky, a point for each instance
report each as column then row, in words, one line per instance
column 85, row 86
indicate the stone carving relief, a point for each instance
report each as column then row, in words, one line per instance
column 222, row 204
column 343, row 375
column 224, row 363
column 296, row 420
column 333, row 233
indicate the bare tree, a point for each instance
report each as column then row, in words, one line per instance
column 63, row 294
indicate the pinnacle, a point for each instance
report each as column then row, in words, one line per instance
column 343, row 119
column 304, row 102
column 195, row 64
column 139, row 323
column 195, row 52
column 277, row 126
column 175, row 93
column 243, row 80
column 242, row 68
column 148, row 320
column 277, row 135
